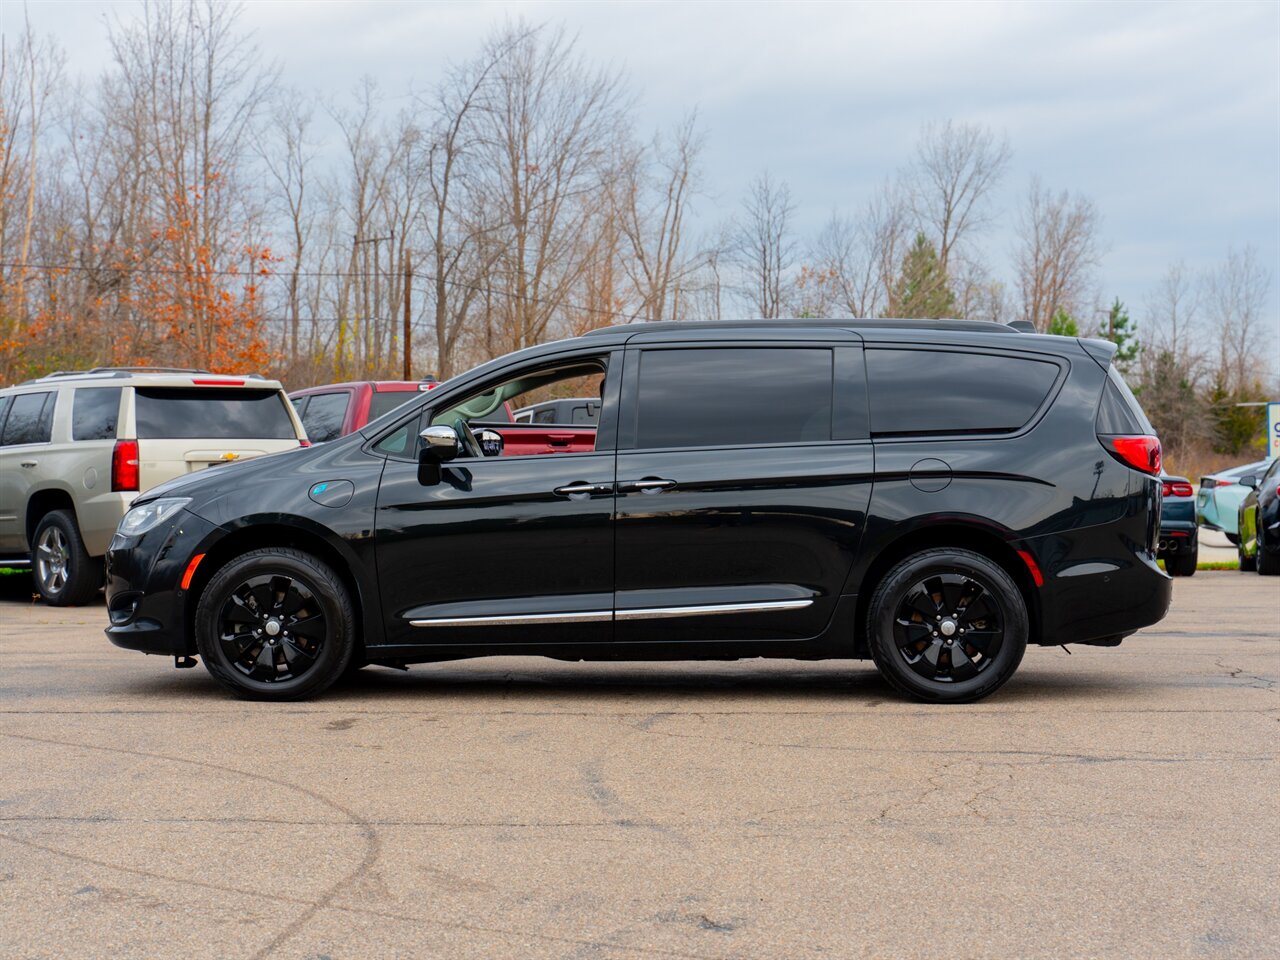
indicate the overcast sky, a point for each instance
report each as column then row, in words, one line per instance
column 1166, row 114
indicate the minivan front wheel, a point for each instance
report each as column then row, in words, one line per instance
column 947, row 626
column 275, row 624
column 65, row 574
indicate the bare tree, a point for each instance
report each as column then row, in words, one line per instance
column 1057, row 252
column 1235, row 299
column 765, row 246
column 547, row 132
column 956, row 167
column 30, row 71
column 288, row 157
column 652, row 198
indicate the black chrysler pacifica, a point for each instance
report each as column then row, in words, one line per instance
column 934, row 495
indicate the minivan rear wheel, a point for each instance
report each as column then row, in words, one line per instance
column 947, row 626
column 64, row 573
column 275, row 624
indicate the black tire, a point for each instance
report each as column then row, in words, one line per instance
column 940, row 579
column 246, row 613
column 1183, row 564
column 1232, row 537
column 62, row 570
column 1247, row 564
column 1267, row 562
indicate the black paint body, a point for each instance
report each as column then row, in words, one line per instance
column 816, row 521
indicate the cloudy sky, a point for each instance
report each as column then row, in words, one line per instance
column 1166, row 114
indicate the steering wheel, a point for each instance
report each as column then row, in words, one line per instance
column 469, row 441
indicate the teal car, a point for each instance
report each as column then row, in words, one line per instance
column 1220, row 496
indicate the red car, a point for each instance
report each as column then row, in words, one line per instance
column 337, row 409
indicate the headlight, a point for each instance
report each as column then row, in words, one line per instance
column 142, row 518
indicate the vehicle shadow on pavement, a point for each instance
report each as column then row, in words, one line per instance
column 489, row 680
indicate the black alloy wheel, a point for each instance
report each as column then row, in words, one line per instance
column 275, row 625
column 272, row 628
column 947, row 626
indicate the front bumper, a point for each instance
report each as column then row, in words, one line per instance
column 146, row 604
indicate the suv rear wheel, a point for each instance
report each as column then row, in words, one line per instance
column 275, row 624
column 65, row 575
column 947, row 626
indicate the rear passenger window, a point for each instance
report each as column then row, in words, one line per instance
column 927, row 392
column 325, row 415
column 94, row 412
column 30, row 419
column 733, row 396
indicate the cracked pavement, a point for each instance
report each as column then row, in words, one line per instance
column 1113, row 802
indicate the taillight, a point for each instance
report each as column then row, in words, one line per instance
column 124, row 465
column 304, row 443
column 1141, row 453
column 1175, row 489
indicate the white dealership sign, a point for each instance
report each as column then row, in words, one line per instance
column 1273, row 430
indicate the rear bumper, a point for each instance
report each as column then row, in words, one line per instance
column 146, row 605
column 1098, row 586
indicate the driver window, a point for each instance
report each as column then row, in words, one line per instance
column 503, row 408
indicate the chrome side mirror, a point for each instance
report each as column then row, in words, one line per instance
column 440, row 444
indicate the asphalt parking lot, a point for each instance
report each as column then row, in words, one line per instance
column 1106, row 803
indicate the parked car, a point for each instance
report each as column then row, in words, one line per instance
column 571, row 412
column 76, row 448
column 934, row 495
column 338, row 409
column 1179, row 546
column 1220, row 496
column 1259, row 522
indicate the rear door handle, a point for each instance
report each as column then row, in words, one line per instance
column 29, row 463
column 647, row 485
column 580, row 491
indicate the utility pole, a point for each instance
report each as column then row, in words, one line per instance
column 408, row 296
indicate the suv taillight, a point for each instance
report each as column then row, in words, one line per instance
column 1175, row 489
column 1141, row 453
column 124, row 465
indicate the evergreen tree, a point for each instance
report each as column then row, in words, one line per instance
column 1120, row 331
column 922, row 290
column 1062, row 324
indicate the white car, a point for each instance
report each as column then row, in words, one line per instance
column 76, row 448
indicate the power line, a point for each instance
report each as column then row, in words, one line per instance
column 330, row 274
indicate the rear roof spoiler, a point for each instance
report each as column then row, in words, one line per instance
column 1022, row 326
column 1101, row 350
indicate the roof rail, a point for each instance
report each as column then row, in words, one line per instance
column 120, row 372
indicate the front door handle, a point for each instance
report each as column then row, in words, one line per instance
column 580, row 491
column 647, row 485
column 29, row 463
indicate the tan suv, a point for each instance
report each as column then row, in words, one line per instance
column 76, row 448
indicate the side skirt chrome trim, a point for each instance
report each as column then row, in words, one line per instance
column 709, row 609
column 590, row 616
column 514, row 619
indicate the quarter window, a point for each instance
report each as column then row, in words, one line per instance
column 733, row 396
column 929, row 392
column 94, row 413
column 30, row 419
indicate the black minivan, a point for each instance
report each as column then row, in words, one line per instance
column 934, row 495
